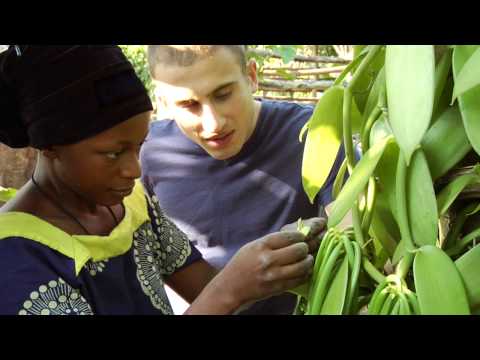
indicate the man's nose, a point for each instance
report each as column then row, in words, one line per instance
column 212, row 122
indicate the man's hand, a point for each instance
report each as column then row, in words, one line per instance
column 317, row 227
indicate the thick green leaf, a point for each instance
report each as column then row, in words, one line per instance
column 438, row 283
column 380, row 130
column 364, row 83
column 442, row 70
column 351, row 66
column 372, row 100
column 410, row 72
column 386, row 169
column 421, row 201
column 335, row 299
column 468, row 102
column 469, row 75
column 324, row 136
column 384, row 228
column 444, row 101
column 445, row 143
column 400, row 252
column 450, row 192
column 7, row 193
column 323, row 141
column 469, row 267
column 357, row 181
column 339, row 179
column 359, row 49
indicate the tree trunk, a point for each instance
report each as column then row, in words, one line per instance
column 16, row 166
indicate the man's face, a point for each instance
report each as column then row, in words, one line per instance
column 211, row 101
column 103, row 168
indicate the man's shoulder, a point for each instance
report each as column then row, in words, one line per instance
column 284, row 120
column 165, row 135
column 287, row 108
column 160, row 128
column 286, row 112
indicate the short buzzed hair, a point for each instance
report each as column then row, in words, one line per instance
column 187, row 55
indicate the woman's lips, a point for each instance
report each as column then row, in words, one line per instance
column 218, row 142
column 123, row 192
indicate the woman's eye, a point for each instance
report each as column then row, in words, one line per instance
column 113, row 155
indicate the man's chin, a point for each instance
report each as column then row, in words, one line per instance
column 222, row 155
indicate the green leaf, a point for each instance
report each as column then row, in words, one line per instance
column 468, row 102
column 351, row 66
column 339, row 179
column 438, row 283
column 7, row 193
column 441, row 75
column 357, row 181
column 448, row 194
column 386, row 169
column 410, row 71
column 446, row 142
column 323, row 141
column 469, row 75
column 364, row 83
column 372, row 100
column 335, row 298
column 301, row 290
column 468, row 266
column 285, row 74
column 399, row 253
column 359, row 49
column 384, row 228
column 421, row 201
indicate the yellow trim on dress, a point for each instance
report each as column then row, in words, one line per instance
column 80, row 248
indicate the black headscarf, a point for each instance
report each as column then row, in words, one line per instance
column 57, row 95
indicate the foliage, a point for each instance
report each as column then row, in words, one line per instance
column 412, row 197
column 6, row 193
column 137, row 55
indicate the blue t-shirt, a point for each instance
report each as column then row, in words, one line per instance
column 223, row 204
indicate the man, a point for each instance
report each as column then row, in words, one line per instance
column 225, row 167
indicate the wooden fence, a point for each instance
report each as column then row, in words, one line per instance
column 302, row 80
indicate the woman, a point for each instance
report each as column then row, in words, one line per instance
column 84, row 236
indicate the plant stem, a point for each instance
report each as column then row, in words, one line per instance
column 372, row 271
column 404, row 265
column 368, row 126
column 347, row 104
column 357, row 226
column 347, row 134
column 350, row 67
column 370, row 204
column 402, row 211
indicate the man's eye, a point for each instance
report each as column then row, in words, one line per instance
column 223, row 96
column 188, row 104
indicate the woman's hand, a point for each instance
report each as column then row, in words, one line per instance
column 266, row 267
column 317, row 227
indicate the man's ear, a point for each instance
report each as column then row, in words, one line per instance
column 163, row 109
column 252, row 75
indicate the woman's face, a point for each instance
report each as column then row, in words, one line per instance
column 103, row 168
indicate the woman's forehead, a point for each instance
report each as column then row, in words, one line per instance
column 130, row 132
